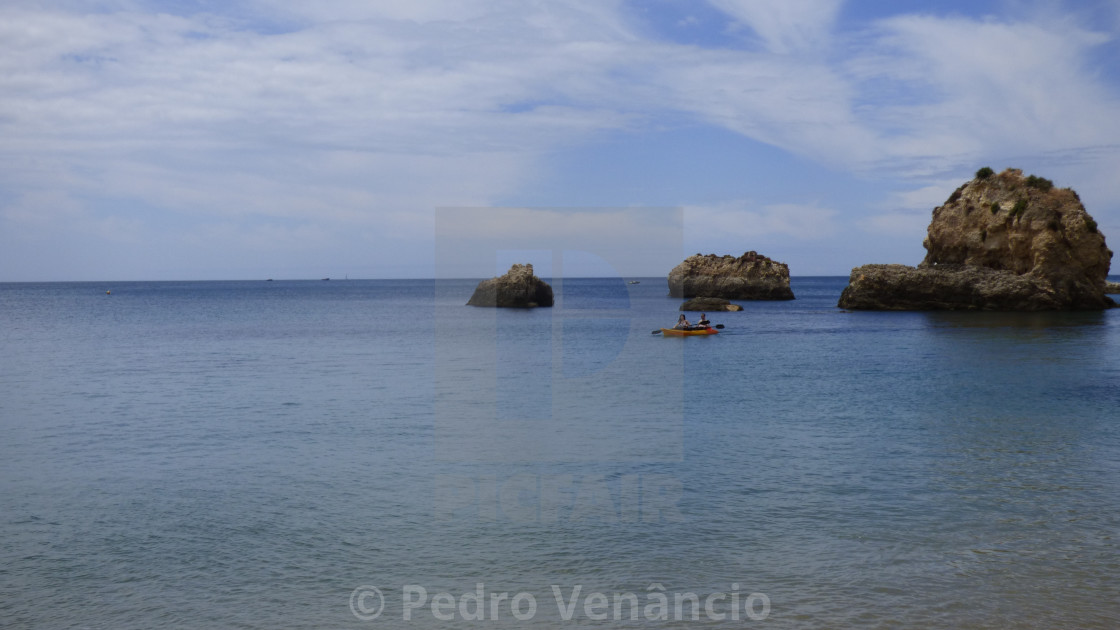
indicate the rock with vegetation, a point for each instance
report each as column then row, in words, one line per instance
column 519, row 288
column 1001, row 242
column 1112, row 288
column 708, row 304
column 751, row 276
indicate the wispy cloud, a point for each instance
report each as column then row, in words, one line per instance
column 334, row 121
column 785, row 26
column 952, row 88
column 346, row 115
column 748, row 222
column 468, row 239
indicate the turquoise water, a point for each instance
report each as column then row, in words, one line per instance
column 249, row 454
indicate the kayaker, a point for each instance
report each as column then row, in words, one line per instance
column 682, row 323
column 703, row 321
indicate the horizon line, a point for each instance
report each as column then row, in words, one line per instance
column 333, row 279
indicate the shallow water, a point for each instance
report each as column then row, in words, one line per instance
column 248, row 454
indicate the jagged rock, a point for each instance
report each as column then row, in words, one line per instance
column 519, row 288
column 1112, row 288
column 748, row 277
column 1000, row 242
column 708, row 304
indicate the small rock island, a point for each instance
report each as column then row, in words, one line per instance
column 518, row 288
column 751, row 276
column 1001, row 242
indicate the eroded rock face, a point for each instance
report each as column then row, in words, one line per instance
column 948, row 287
column 1000, row 242
column 748, row 277
column 709, row 305
column 518, row 288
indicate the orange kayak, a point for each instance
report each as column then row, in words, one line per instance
column 670, row 332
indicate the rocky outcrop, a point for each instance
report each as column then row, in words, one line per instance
column 948, row 287
column 1000, row 242
column 748, row 277
column 1112, row 288
column 708, row 304
column 519, row 288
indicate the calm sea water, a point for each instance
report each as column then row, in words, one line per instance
column 253, row 455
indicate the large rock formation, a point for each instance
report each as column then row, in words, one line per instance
column 948, row 287
column 748, row 277
column 519, row 288
column 1000, row 242
column 709, row 304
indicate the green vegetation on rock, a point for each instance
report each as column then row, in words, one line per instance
column 1041, row 183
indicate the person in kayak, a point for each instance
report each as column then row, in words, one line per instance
column 703, row 321
column 682, row 323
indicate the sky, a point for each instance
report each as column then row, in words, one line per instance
column 213, row 139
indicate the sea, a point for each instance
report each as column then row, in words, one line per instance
column 375, row 453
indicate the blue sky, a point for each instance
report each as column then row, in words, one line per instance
column 215, row 140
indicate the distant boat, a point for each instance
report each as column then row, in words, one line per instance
column 635, row 282
column 325, row 279
column 269, row 280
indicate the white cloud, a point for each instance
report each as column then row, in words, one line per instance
column 923, row 199
column 906, row 214
column 908, row 226
column 39, row 208
column 956, row 88
column 742, row 220
column 349, row 115
column 803, row 108
column 471, row 78
column 785, row 26
column 42, row 212
column 631, row 241
column 261, row 237
column 349, row 122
